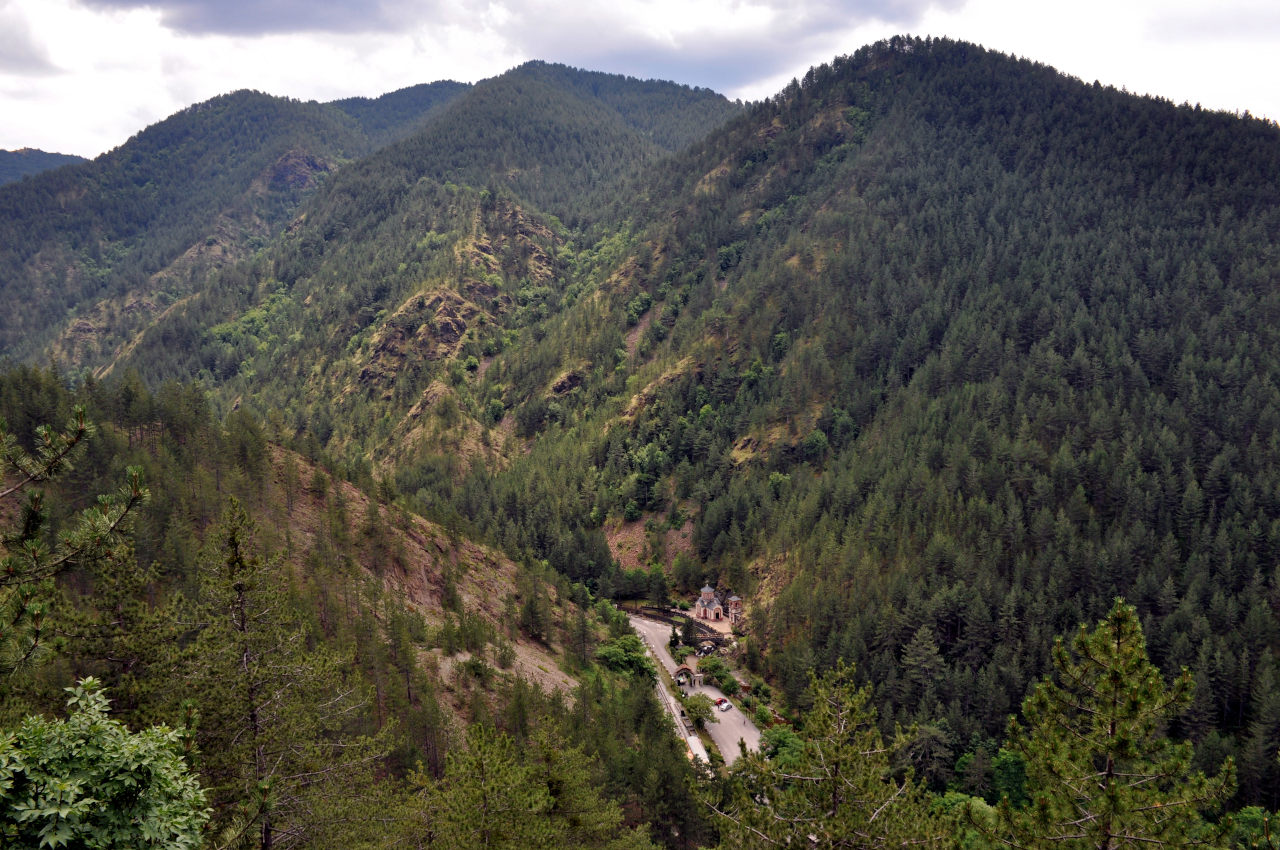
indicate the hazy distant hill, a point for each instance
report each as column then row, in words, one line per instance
column 14, row 165
column 84, row 247
column 109, row 245
column 557, row 137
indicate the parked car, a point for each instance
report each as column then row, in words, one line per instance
column 723, row 704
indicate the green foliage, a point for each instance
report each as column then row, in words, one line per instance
column 1254, row 826
column 638, row 306
column 659, row 591
column 700, row 709
column 1009, row 777
column 535, row 609
column 640, row 762
column 1100, row 771
column 497, row 795
column 627, row 654
column 835, row 789
column 718, row 672
column 814, row 447
column 688, row 632
column 762, row 716
column 31, row 559
column 783, row 746
column 87, row 782
column 278, row 732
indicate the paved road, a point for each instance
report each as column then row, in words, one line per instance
column 731, row 725
column 668, row 701
column 656, row 636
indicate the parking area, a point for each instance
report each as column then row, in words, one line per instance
column 732, row 729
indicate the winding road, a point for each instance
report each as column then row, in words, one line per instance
column 731, row 726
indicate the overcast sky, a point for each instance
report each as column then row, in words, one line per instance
column 82, row 76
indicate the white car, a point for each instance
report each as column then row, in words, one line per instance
column 723, row 704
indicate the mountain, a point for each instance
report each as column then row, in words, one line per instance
column 114, row 245
column 415, row 265
column 929, row 357
column 106, row 246
column 396, row 114
column 14, row 165
column 131, row 232
column 935, row 353
column 558, row 138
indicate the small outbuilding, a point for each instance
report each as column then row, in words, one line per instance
column 735, row 608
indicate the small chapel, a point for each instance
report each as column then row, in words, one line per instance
column 709, row 607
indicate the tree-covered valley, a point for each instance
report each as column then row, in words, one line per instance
column 932, row 357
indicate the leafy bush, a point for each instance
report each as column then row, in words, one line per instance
column 626, row 654
column 88, row 782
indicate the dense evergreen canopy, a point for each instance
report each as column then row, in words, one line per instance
column 930, row 357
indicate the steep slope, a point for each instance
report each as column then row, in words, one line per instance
column 27, row 162
column 142, row 225
column 942, row 351
column 416, row 631
column 364, row 325
column 363, row 571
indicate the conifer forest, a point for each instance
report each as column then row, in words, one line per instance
column 344, row 443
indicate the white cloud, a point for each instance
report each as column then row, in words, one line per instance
column 258, row 17
column 20, row 52
column 1237, row 21
column 1127, row 45
column 81, row 76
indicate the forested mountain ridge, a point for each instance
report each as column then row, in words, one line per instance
column 206, row 182
column 397, row 114
column 934, row 354
column 943, row 351
column 24, row 162
column 108, row 245
column 556, row 137
column 413, row 267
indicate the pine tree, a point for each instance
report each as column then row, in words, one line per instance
column 1100, row 771
column 838, row 791
column 126, row 632
column 485, row 799
column 497, row 795
column 1259, row 766
column 29, row 563
column 278, row 717
column 688, row 632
